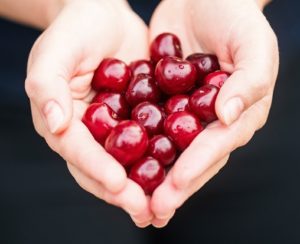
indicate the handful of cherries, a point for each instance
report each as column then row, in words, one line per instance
column 146, row 113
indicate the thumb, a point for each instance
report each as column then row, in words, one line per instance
column 47, row 87
column 254, row 75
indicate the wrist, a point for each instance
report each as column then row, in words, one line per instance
column 262, row 3
column 57, row 5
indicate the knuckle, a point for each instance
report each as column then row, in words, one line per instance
column 32, row 86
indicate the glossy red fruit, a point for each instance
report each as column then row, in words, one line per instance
column 148, row 173
column 204, row 63
column 115, row 101
column 177, row 103
column 165, row 44
column 142, row 88
column 162, row 148
column 175, row 76
column 112, row 74
column 127, row 142
column 100, row 120
column 216, row 78
column 202, row 103
column 142, row 67
column 182, row 128
column 149, row 116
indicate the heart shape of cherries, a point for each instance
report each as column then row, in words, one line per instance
column 147, row 113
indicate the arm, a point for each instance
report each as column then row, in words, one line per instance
column 36, row 13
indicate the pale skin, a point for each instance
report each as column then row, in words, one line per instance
column 78, row 37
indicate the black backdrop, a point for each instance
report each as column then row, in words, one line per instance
column 255, row 199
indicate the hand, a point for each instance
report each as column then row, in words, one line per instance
column 60, row 69
column 238, row 33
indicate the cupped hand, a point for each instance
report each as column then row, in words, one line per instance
column 60, row 70
column 238, row 33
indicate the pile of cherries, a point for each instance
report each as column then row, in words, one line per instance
column 146, row 113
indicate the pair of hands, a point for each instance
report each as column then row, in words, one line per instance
column 61, row 66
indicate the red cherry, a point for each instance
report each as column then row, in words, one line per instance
column 142, row 88
column 100, row 119
column 162, row 149
column 148, row 173
column 142, row 67
column 112, row 74
column 204, row 63
column 165, row 44
column 127, row 142
column 182, row 127
column 216, row 78
column 177, row 103
column 149, row 116
column 202, row 103
column 175, row 76
column 115, row 101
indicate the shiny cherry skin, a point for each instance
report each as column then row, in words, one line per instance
column 100, row 119
column 142, row 88
column 175, row 76
column 165, row 44
column 148, row 173
column 127, row 142
column 115, row 101
column 216, row 78
column 162, row 148
column 182, row 128
column 149, row 116
column 142, row 67
column 204, row 63
column 112, row 74
column 177, row 103
column 202, row 103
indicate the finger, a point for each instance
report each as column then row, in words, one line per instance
column 77, row 146
column 255, row 58
column 218, row 140
column 160, row 223
column 53, row 65
column 167, row 198
column 132, row 199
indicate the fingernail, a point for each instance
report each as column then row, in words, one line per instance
column 53, row 115
column 232, row 110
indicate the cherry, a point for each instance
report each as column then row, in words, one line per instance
column 148, row 173
column 177, row 103
column 175, row 76
column 182, row 127
column 204, row 63
column 142, row 67
column 112, row 74
column 165, row 44
column 202, row 103
column 216, row 78
column 100, row 119
column 127, row 142
column 162, row 148
column 115, row 101
column 149, row 116
column 142, row 88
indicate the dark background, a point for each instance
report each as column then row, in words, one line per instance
column 255, row 199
